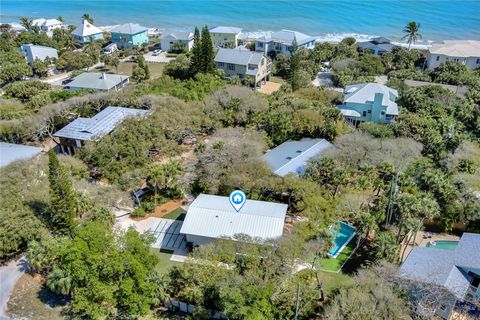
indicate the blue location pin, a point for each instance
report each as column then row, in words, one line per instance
column 237, row 199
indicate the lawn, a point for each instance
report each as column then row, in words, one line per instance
column 165, row 263
column 277, row 80
column 335, row 264
column 177, row 214
column 156, row 69
column 333, row 281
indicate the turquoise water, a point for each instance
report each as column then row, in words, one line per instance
column 443, row 244
column 341, row 236
column 440, row 19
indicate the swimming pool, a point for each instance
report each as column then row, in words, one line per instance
column 442, row 244
column 342, row 233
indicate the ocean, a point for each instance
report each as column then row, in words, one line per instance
column 327, row 19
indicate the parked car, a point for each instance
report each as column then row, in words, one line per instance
column 156, row 52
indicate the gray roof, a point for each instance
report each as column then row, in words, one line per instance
column 85, row 29
column 214, row 217
column 187, row 36
column 365, row 93
column 96, row 80
column 100, row 125
column 129, row 28
column 387, row 47
column 12, row 152
column 224, row 29
column 292, row 156
column 238, row 56
column 33, row 52
column 446, row 268
column 286, row 37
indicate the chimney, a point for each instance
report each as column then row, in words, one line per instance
column 104, row 75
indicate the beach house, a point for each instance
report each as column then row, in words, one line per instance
column 47, row 25
column 247, row 65
column 76, row 133
column 33, row 52
column 177, row 42
column 377, row 46
column 225, row 37
column 98, row 81
column 212, row 217
column 129, row 35
column 370, row 102
column 280, row 42
column 466, row 52
column 86, row 32
column 448, row 274
column 292, row 156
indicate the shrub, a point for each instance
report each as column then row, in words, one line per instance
column 25, row 90
column 138, row 212
column 377, row 130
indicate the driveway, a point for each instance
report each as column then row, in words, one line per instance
column 161, row 58
column 323, row 79
column 9, row 275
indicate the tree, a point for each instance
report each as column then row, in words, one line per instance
column 73, row 60
column 208, row 54
column 386, row 247
column 26, row 23
column 40, row 68
column 60, row 18
column 412, row 34
column 63, row 204
column 197, row 54
column 87, row 17
column 165, row 178
column 140, row 71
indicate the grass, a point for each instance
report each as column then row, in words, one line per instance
column 177, row 214
column 333, row 281
column 164, row 263
column 335, row 264
column 156, row 69
column 277, row 80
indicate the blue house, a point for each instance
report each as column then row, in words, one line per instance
column 86, row 32
column 369, row 102
column 129, row 35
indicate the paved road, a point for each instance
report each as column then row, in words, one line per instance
column 9, row 275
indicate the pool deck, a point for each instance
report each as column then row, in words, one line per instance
column 420, row 241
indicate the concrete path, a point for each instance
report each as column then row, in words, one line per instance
column 9, row 275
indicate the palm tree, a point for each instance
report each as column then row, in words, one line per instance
column 26, row 23
column 60, row 18
column 411, row 33
column 60, row 282
column 87, row 17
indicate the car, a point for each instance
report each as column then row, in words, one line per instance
column 67, row 81
column 156, row 52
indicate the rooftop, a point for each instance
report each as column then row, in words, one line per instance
column 96, row 80
column 180, row 35
column 287, row 36
column 238, row 56
column 100, row 125
column 365, row 93
column 457, row 48
column 223, row 29
column 12, row 152
column 214, row 217
column 33, row 52
column 444, row 267
column 45, row 22
column 129, row 28
column 85, row 29
column 293, row 156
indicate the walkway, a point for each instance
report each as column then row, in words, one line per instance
column 9, row 275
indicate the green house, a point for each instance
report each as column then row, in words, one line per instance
column 129, row 35
column 370, row 102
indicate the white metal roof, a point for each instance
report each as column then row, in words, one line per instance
column 85, row 29
column 129, row 28
column 457, row 48
column 287, row 36
column 100, row 125
column 185, row 36
column 33, row 52
column 214, row 217
column 292, row 156
column 12, row 152
column 238, row 56
column 46, row 22
column 224, row 29
column 365, row 93
column 97, row 80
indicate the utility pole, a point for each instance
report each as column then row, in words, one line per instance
column 391, row 199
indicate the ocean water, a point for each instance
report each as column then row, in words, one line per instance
column 439, row 19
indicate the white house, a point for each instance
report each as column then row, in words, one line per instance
column 33, row 52
column 175, row 41
column 85, row 32
column 466, row 52
column 47, row 25
column 225, row 37
column 280, row 42
column 212, row 217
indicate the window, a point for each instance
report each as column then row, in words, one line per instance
column 438, row 58
column 231, row 67
column 382, row 113
column 364, row 114
column 478, row 61
column 443, row 307
column 221, row 64
column 260, row 44
column 369, row 111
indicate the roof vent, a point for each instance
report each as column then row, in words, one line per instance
column 289, row 158
column 299, row 151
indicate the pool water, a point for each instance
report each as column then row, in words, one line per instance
column 443, row 244
column 342, row 233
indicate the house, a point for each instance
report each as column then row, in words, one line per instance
column 74, row 134
column 99, row 81
column 47, row 25
column 280, row 42
column 371, row 102
column 245, row 64
column 10, row 152
column 86, row 32
column 110, row 48
column 454, row 275
column 292, row 156
column 212, row 217
column 466, row 52
column 177, row 41
column 225, row 37
column 377, row 46
column 33, row 52
column 129, row 35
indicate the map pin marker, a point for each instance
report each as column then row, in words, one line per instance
column 237, row 199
